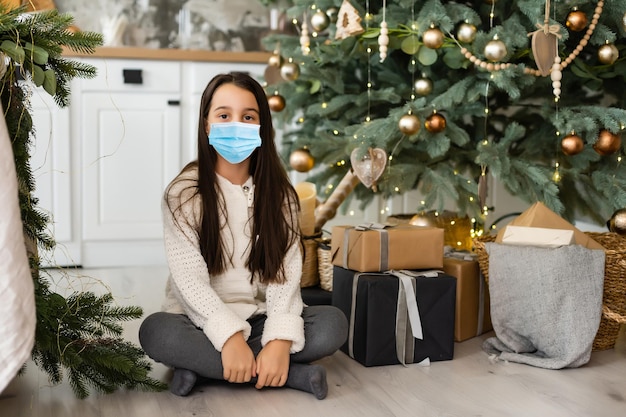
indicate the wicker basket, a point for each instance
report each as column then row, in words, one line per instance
column 614, row 295
column 325, row 266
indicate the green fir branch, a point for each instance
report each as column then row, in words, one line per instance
column 78, row 336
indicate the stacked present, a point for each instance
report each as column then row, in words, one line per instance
column 398, row 292
column 400, row 310
column 472, row 295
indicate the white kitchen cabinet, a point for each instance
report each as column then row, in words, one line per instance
column 127, row 124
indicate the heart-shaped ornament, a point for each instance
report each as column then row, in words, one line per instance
column 369, row 167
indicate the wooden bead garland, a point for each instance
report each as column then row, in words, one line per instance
column 305, row 41
column 563, row 64
column 383, row 38
column 556, row 75
column 383, row 41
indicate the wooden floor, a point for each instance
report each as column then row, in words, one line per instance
column 469, row 385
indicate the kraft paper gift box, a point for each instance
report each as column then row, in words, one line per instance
column 382, row 327
column 472, row 298
column 538, row 215
column 374, row 247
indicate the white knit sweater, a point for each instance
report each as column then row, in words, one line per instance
column 220, row 305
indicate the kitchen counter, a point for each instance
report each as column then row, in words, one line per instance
column 172, row 54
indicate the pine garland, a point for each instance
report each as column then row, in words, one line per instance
column 78, row 335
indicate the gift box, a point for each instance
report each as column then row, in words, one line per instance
column 375, row 247
column 472, row 297
column 537, row 236
column 389, row 325
column 538, row 215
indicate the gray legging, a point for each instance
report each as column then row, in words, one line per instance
column 172, row 339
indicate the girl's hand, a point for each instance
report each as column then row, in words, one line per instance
column 272, row 364
column 238, row 360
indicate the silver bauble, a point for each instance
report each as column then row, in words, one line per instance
column 409, row 124
column 495, row 50
column 320, row 21
column 423, row 86
column 617, row 222
column 466, row 33
column 608, row 54
column 290, row 71
column 433, row 38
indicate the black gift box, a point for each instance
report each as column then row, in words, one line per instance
column 380, row 317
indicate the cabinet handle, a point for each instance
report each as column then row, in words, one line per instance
column 173, row 102
column 133, row 76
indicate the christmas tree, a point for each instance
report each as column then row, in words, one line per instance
column 529, row 91
column 80, row 334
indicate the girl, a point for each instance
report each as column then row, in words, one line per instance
column 233, row 307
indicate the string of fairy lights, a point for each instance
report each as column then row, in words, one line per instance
column 495, row 51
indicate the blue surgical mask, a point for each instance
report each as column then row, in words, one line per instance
column 234, row 141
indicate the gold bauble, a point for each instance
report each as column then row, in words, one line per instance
column 409, row 124
column 301, row 160
column 433, row 38
column 608, row 54
column 320, row 21
column 276, row 102
column 576, row 21
column 624, row 21
column 572, row 144
column 424, row 219
column 617, row 222
column 290, row 71
column 495, row 50
column 466, row 33
column 275, row 60
column 607, row 143
column 435, row 123
column 423, row 86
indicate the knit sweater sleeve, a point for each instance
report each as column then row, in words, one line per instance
column 284, row 304
column 188, row 270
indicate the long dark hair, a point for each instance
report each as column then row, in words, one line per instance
column 275, row 225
